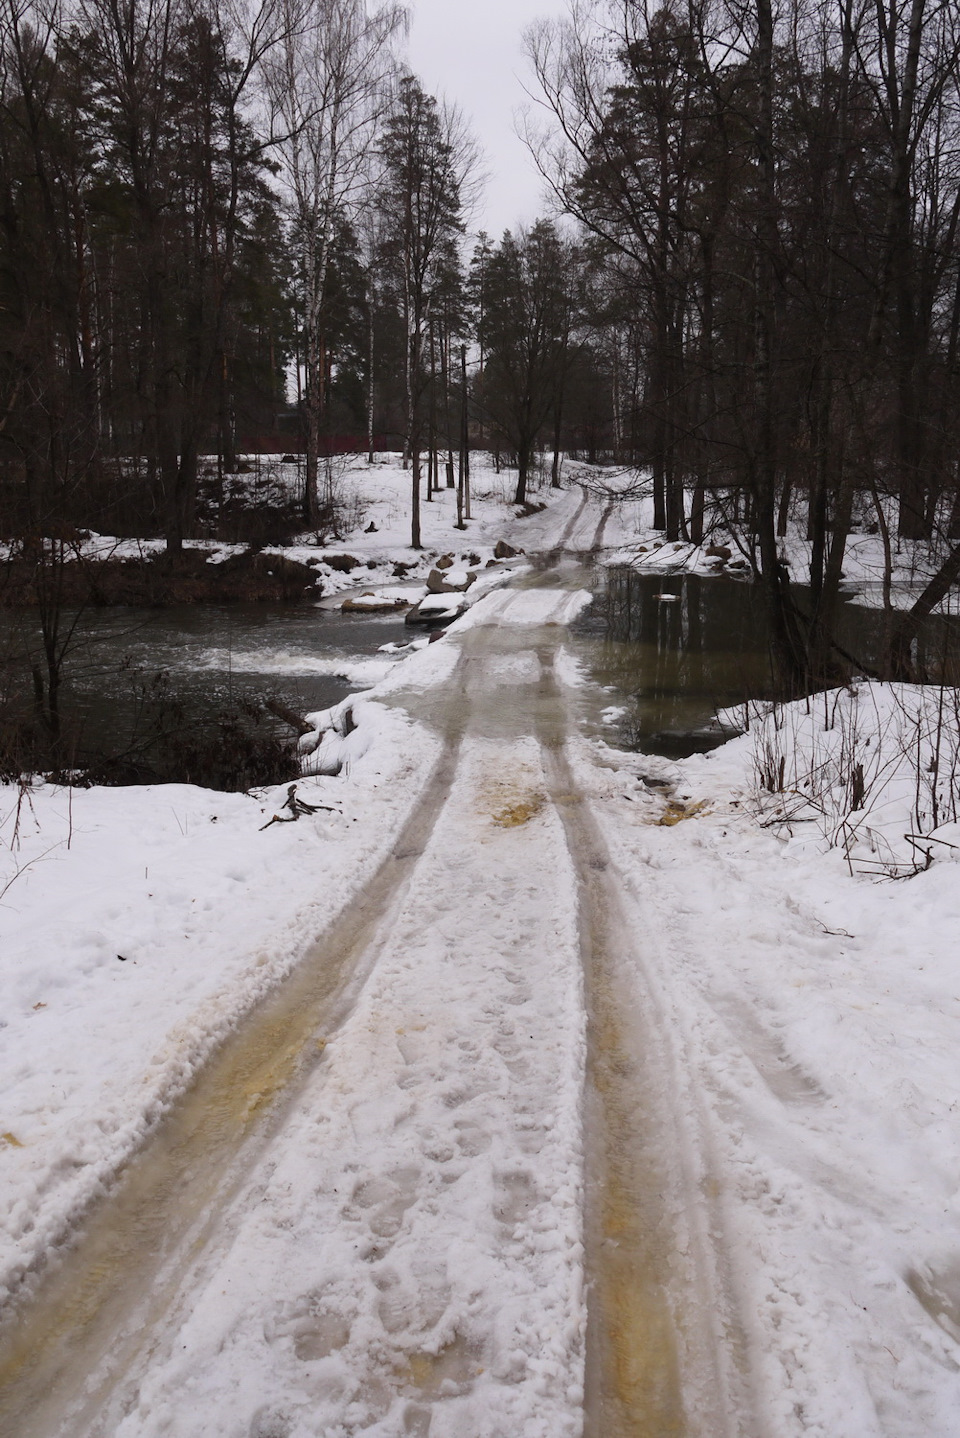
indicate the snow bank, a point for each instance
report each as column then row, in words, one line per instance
column 873, row 770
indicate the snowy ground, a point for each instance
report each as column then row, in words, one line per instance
column 412, row 1249
column 819, row 1015
column 912, row 562
column 137, row 925
column 404, row 1254
column 375, row 503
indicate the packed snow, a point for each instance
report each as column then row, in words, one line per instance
column 818, row 1013
column 417, row 1237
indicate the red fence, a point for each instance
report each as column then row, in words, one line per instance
column 329, row 443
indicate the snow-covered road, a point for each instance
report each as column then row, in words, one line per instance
column 573, row 1119
column 397, row 1246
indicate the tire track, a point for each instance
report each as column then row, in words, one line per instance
column 664, row 1347
column 664, row 1344
column 597, row 540
column 78, row 1320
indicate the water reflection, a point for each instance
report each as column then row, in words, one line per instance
column 674, row 649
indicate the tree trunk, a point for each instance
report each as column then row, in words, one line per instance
column 557, row 433
column 463, row 493
column 523, row 465
column 371, row 333
column 787, row 652
column 905, row 627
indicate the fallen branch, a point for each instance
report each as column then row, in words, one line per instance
column 930, row 839
column 288, row 716
column 296, row 807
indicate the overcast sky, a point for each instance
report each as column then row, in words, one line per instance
column 470, row 51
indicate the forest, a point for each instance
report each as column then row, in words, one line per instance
column 236, row 228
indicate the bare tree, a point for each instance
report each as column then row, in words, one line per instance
column 528, row 319
column 326, row 84
column 430, row 167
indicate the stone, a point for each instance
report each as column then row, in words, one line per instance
column 342, row 563
column 369, row 603
column 434, row 609
column 718, row 551
column 436, row 584
column 445, row 561
column 503, row 550
column 440, row 606
column 454, row 583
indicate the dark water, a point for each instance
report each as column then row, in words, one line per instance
column 669, row 664
column 672, row 663
column 209, row 656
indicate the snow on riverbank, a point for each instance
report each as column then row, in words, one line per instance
column 375, row 501
column 871, row 769
column 138, row 924
column 375, row 510
column 912, row 563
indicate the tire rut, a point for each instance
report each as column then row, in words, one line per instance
column 663, row 1356
column 80, row 1319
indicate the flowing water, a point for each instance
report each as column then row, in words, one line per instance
column 210, row 656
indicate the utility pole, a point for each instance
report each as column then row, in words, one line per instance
column 463, row 487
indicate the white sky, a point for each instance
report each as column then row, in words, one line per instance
column 470, row 51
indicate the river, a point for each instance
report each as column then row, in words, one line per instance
column 664, row 652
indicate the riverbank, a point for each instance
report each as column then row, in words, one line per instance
column 878, row 570
column 371, row 548
column 154, row 580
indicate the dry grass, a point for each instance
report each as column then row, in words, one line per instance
column 676, row 811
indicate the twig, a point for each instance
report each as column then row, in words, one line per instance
column 929, row 839
column 23, row 868
column 836, row 933
column 297, row 807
